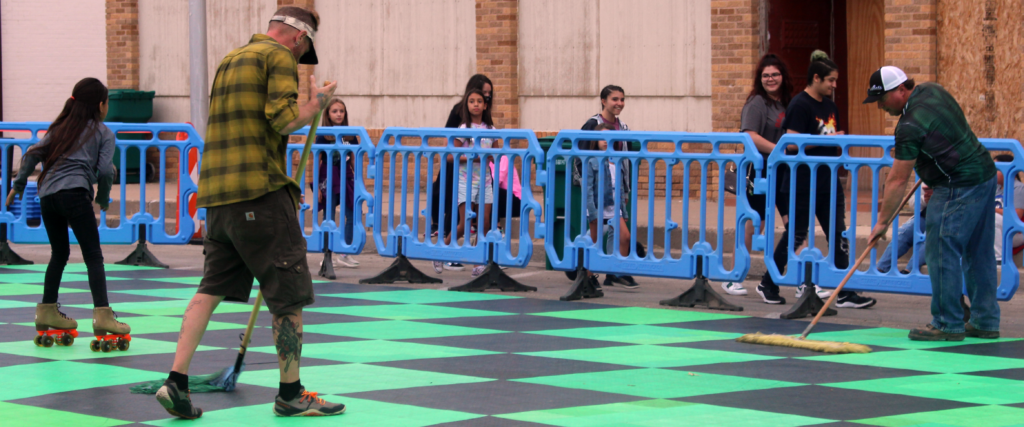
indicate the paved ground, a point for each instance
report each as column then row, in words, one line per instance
column 416, row 357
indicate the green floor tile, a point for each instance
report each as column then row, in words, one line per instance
column 57, row 377
column 25, row 415
column 961, row 388
column 640, row 334
column 422, row 296
column 29, row 278
column 80, row 349
column 978, row 416
column 408, row 311
column 194, row 280
column 357, row 378
column 895, row 338
column 661, row 413
column 17, row 304
column 171, row 308
column 651, row 356
column 12, row 289
column 79, row 267
column 926, row 361
column 658, row 383
column 160, row 324
column 395, row 330
column 358, row 412
column 177, row 293
column 637, row 315
column 377, row 351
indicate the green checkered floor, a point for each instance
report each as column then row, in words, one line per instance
column 400, row 357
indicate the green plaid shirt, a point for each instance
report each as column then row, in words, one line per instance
column 934, row 131
column 255, row 95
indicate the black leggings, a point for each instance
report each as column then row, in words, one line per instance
column 452, row 192
column 802, row 218
column 72, row 208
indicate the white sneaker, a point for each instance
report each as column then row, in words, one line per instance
column 351, row 259
column 823, row 294
column 734, row 289
column 438, row 267
column 344, row 261
column 478, row 270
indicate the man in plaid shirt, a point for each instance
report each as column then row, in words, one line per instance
column 252, row 226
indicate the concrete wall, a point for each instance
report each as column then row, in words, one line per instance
column 48, row 46
column 659, row 51
column 397, row 62
column 163, row 46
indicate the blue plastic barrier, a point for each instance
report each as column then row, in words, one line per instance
column 823, row 268
column 127, row 230
column 322, row 223
column 405, row 224
column 698, row 258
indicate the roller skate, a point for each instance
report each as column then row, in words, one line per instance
column 53, row 326
column 110, row 333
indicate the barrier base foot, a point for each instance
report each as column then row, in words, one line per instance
column 701, row 295
column 493, row 277
column 809, row 304
column 9, row 257
column 585, row 286
column 327, row 267
column 142, row 256
column 400, row 271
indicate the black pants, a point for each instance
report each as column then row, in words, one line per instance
column 452, row 192
column 72, row 208
column 801, row 216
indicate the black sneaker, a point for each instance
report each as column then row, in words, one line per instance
column 770, row 294
column 454, row 266
column 624, row 281
column 180, row 406
column 306, row 404
column 852, row 300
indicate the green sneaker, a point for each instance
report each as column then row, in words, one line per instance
column 306, row 404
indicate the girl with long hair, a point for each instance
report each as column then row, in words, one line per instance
column 77, row 152
column 337, row 115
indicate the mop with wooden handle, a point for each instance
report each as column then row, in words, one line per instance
column 826, row 346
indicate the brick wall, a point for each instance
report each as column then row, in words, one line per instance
column 911, row 42
column 497, row 56
column 122, row 44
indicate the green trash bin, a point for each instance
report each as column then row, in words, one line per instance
column 131, row 106
column 575, row 199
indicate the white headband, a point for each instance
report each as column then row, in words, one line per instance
column 296, row 24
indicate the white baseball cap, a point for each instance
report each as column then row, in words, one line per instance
column 885, row 79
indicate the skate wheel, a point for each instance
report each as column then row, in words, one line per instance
column 94, row 345
column 47, row 341
column 122, row 344
column 106, row 346
column 66, row 339
column 38, row 340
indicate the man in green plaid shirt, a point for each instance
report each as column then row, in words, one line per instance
column 251, row 202
column 934, row 138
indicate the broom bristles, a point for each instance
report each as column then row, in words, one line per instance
column 796, row 342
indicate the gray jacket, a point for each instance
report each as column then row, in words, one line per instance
column 89, row 165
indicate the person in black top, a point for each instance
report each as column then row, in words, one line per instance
column 483, row 84
column 812, row 111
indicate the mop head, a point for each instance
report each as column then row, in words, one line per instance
column 797, row 342
column 225, row 380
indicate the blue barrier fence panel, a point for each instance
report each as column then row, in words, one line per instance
column 720, row 151
column 828, row 270
column 328, row 215
column 410, row 162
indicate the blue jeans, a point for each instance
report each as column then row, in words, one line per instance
column 960, row 229
column 904, row 240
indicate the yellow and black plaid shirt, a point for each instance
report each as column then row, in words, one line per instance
column 255, row 95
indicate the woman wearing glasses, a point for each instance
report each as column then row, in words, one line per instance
column 762, row 118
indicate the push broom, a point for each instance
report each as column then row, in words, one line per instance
column 826, row 346
column 227, row 378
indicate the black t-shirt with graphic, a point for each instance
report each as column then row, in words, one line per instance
column 810, row 116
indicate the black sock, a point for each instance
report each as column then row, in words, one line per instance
column 181, row 380
column 288, row 391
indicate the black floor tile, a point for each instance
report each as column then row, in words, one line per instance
column 232, row 337
column 1011, row 349
column 801, row 371
column 494, row 397
column 1009, row 374
column 489, row 422
column 516, row 342
column 86, row 298
column 764, row 350
column 827, row 402
column 504, row 366
column 521, row 323
column 749, row 325
column 203, row 362
column 28, row 315
column 521, row 305
column 14, row 360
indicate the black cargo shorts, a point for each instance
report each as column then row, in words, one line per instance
column 259, row 239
